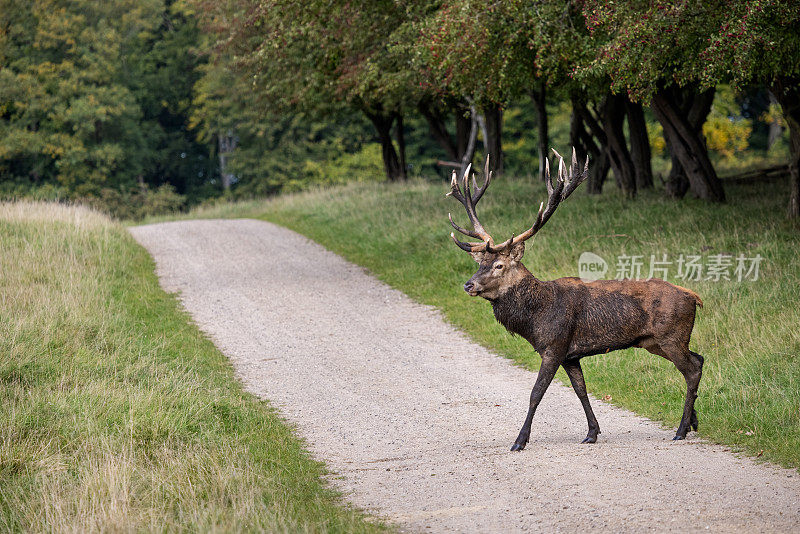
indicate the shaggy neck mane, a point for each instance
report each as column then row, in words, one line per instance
column 515, row 309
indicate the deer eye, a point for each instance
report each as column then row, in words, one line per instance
column 498, row 265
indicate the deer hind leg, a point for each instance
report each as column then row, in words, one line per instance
column 575, row 374
column 692, row 370
column 693, row 422
column 690, row 364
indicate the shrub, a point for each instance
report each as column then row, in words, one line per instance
column 138, row 204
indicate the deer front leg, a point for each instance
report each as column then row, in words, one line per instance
column 547, row 371
column 575, row 374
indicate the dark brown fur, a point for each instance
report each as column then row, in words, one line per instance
column 568, row 319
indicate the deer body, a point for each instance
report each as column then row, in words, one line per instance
column 595, row 317
column 568, row 319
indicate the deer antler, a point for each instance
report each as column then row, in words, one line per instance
column 468, row 200
column 566, row 182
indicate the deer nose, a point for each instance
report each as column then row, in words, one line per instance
column 469, row 286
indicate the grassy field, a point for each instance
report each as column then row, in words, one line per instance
column 748, row 331
column 116, row 413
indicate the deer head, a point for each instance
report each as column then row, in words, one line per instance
column 499, row 265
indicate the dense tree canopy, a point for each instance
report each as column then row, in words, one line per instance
column 67, row 113
column 674, row 53
column 113, row 99
column 94, row 97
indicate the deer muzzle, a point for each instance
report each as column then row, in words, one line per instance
column 470, row 288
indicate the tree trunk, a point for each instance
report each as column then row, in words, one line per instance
column 793, row 209
column 539, row 97
column 787, row 92
column 775, row 128
column 640, row 145
column 605, row 125
column 391, row 163
column 494, row 142
column 227, row 144
column 686, row 139
column 677, row 183
column 612, row 115
column 464, row 120
column 482, row 126
column 696, row 108
column 438, row 129
column 469, row 149
column 585, row 145
column 400, row 135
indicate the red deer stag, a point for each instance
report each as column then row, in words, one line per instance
column 568, row 319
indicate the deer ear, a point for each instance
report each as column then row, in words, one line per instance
column 477, row 256
column 517, row 252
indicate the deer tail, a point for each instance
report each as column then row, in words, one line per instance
column 695, row 296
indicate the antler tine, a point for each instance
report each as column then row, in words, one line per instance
column 575, row 177
column 553, row 195
column 568, row 179
column 573, row 169
column 467, row 192
column 475, row 185
column 547, row 180
column 566, row 183
column 487, row 178
column 462, row 230
column 469, row 247
column 453, row 186
column 467, row 200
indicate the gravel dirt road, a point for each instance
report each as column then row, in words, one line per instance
column 415, row 421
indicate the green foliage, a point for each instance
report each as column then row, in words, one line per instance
column 726, row 131
column 521, row 138
column 502, row 51
column 316, row 55
column 726, row 136
column 99, row 96
column 655, row 135
column 751, row 40
column 162, row 73
column 654, row 43
column 278, row 151
column 94, row 94
column 139, row 203
column 645, row 44
column 362, row 166
column 457, row 40
column 293, row 152
column 66, row 114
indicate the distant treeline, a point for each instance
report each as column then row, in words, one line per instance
column 141, row 106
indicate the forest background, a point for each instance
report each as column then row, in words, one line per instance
column 141, row 107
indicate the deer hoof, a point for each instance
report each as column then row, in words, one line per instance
column 678, row 437
column 590, row 439
column 518, row 446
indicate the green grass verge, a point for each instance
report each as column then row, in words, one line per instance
column 748, row 331
column 117, row 414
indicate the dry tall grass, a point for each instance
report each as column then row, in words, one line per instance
column 79, row 216
column 115, row 413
